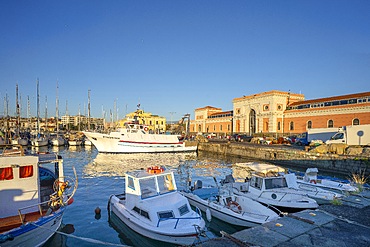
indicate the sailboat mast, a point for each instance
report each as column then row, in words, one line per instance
column 88, row 111
column 57, row 110
column 38, row 108
column 17, row 111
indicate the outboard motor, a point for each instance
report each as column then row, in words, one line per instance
column 228, row 179
column 198, row 184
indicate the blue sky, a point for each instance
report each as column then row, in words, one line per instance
column 174, row 56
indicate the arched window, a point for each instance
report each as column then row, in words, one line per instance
column 291, row 126
column 356, row 121
column 330, row 124
column 309, row 124
column 199, row 128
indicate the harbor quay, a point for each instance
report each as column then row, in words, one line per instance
column 288, row 155
column 329, row 225
column 344, row 224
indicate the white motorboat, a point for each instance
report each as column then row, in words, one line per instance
column 75, row 142
column 273, row 191
column 310, row 178
column 34, row 195
column 58, row 141
column 20, row 141
column 152, row 207
column 40, row 141
column 135, row 138
column 283, row 182
column 229, row 207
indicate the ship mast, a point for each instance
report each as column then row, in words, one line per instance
column 38, row 108
column 57, row 110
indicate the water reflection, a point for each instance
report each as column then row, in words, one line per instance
column 117, row 164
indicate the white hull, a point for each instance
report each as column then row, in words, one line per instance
column 184, row 234
column 58, row 142
column 148, row 143
column 280, row 199
column 253, row 213
column 74, row 143
column 32, row 235
column 20, row 141
column 330, row 185
column 40, row 143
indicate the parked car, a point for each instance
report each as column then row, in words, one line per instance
column 243, row 138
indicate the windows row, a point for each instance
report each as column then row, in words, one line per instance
column 7, row 173
column 330, row 124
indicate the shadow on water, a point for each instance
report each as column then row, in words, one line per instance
column 130, row 237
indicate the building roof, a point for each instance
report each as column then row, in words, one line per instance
column 342, row 97
column 221, row 113
column 272, row 92
column 208, row 107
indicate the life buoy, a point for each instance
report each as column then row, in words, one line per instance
column 146, row 128
column 155, row 169
column 234, row 206
column 313, row 181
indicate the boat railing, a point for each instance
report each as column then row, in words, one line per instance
column 254, row 215
column 38, row 205
column 183, row 218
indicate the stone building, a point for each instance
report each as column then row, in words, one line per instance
column 282, row 113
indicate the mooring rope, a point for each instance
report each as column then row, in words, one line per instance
column 90, row 240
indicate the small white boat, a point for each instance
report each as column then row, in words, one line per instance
column 20, row 141
column 310, row 178
column 273, row 191
column 34, row 195
column 287, row 183
column 40, row 142
column 152, row 207
column 58, row 141
column 135, row 138
column 75, row 142
column 228, row 207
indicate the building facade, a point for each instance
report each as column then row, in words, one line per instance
column 331, row 112
column 282, row 113
column 211, row 119
column 155, row 123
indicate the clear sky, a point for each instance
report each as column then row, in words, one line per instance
column 175, row 56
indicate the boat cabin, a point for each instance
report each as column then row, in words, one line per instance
column 149, row 183
column 25, row 182
column 271, row 181
column 152, row 193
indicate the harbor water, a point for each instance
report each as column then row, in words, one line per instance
column 101, row 175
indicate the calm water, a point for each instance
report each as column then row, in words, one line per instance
column 101, row 175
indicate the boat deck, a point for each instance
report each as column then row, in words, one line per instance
column 11, row 222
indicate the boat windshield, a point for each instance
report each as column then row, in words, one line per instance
column 273, row 183
column 149, row 188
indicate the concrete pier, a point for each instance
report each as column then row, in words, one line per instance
column 330, row 225
column 291, row 156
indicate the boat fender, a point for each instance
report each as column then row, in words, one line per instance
column 234, row 206
column 6, row 237
column 208, row 215
column 313, row 181
column 70, row 200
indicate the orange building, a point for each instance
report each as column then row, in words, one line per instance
column 281, row 113
column 331, row 112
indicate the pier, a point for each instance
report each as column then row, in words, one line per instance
column 330, row 225
column 285, row 155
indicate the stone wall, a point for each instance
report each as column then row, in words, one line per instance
column 334, row 163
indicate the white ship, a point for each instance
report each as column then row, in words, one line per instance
column 135, row 138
